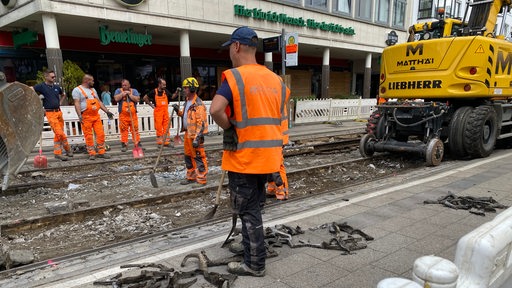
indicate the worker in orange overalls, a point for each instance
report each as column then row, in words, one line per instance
column 159, row 99
column 127, row 99
column 52, row 94
column 87, row 106
column 195, row 125
column 277, row 182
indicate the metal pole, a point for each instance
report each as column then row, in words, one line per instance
column 283, row 54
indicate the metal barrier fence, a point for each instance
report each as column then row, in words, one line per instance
column 330, row 110
column 306, row 111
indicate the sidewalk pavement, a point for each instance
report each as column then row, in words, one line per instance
column 392, row 211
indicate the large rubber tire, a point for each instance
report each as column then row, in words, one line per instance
column 456, row 135
column 481, row 131
column 376, row 125
column 363, row 147
column 435, row 152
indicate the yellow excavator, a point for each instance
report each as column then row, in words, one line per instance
column 449, row 86
column 21, row 124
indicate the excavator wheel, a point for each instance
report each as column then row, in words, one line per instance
column 435, row 152
column 481, row 131
column 376, row 125
column 365, row 150
column 456, row 135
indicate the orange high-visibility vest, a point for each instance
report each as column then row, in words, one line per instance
column 259, row 98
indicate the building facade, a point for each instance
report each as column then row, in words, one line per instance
column 339, row 41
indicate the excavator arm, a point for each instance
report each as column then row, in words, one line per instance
column 484, row 15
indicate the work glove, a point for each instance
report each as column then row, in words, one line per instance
column 41, row 96
column 110, row 115
column 195, row 143
column 176, row 107
column 230, row 139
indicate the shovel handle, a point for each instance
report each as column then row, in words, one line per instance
column 217, row 196
column 165, row 137
column 41, row 144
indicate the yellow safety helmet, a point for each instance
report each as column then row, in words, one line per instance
column 192, row 83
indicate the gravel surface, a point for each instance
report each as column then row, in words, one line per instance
column 123, row 222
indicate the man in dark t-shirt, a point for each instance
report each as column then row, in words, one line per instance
column 52, row 94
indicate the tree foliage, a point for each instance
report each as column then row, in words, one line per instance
column 72, row 76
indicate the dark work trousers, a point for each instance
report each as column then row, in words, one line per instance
column 247, row 191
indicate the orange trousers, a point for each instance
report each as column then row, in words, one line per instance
column 92, row 127
column 125, row 124
column 195, row 161
column 57, row 124
column 161, row 115
column 280, row 191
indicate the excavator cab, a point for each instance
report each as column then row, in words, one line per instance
column 21, row 123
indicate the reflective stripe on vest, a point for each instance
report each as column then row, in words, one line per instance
column 245, row 122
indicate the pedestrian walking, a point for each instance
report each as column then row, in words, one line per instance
column 52, row 94
column 105, row 95
column 127, row 99
column 159, row 99
column 195, row 125
column 249, row 106
column 87, row 106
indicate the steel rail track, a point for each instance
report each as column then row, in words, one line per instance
column 317, row 148
column 79, row 215
column 220, row 217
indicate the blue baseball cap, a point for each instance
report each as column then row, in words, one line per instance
column 244, row 35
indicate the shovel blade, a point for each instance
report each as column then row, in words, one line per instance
column 137, row 152
column 40, row 161
column 178, row 140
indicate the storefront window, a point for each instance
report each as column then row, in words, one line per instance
column 425, row 9
column 364, row 9
column 342, row 6
column 207, row 79
column 383, row 11
column 399, row 13
column 429, row 8
column 293, row 1
column 320, row 4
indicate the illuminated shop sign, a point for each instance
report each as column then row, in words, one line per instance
column 271, row 16
column 127, row 37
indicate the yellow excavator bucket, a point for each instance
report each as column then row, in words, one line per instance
column 21, row 124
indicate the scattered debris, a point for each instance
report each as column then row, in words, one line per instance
column 343, row 239
column 475, row 205
column 165, row 276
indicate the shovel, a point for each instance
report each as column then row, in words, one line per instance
column 40, row 160
column 217, row 197
column 177, row 138
column 137, row 151
column 152, row 176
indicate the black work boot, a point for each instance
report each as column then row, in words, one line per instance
column 123, row 147
column 187, row 181
column 61, row 157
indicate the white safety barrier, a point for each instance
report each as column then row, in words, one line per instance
column 307, row 111
column 74, row 132
column 329, row 110
column 483, row 257
column 398, row 283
